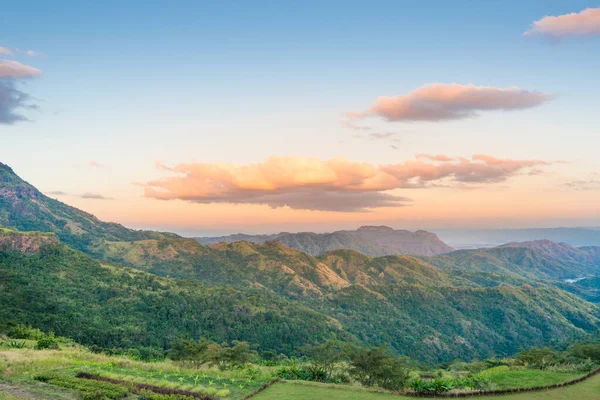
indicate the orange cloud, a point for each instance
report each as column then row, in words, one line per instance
column 439, row 101
column 332, row 185
column 584, row 23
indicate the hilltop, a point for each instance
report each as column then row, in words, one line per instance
column 372, row 241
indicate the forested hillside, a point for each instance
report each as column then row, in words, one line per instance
column 153, row 287
column 66, row 291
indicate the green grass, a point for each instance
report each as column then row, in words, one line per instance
column 587, row 390
column 19, row 367
column 294, row 390
column 505, row 378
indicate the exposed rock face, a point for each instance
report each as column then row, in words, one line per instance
column 374, row 241
column 25, row 242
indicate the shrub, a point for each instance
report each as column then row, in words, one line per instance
column 538, row 357
column 25, row 332
column 89, row 389
column 294, row 373
column 48, row 342
column 374, row 366
column 585, row 351
column 15, row 344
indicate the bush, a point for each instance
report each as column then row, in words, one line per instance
column 47, row 343
column 25, row 332
column 90, row 390
column 293, row 373
column 15, row 344
column 585, row 351
column 538, row 357
column 443, row 385
column 374, row 366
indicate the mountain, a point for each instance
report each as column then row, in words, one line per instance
column 561, row 251
column 63, row 290
column 524, row 261
column 370, row 240
column 460, row 305
column 477, row 238
column 24, row 207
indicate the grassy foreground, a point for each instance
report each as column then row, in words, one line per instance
column 20, row 370
column 21, row 367
column 587, row 390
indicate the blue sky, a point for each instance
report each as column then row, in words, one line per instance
column 126, row 84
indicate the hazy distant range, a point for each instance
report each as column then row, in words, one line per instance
column 476, row 238
column 456, row 238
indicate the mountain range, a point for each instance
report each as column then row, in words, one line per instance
column 369, row 240
column 104, row 284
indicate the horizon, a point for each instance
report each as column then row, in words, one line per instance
column 213, row 119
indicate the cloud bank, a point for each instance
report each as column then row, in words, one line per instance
column 438, row 102
column 327, row 185
column 584, row 23
column 12, row 100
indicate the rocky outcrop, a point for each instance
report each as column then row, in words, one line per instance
column 25, row 242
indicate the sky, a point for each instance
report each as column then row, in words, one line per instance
column 209, row 118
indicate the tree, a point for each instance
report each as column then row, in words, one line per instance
column 186, row 349
column 375, row 366
column 324, row 357
column 586, row 351
column 224, row 356
column 240, row 354
column 538, row 357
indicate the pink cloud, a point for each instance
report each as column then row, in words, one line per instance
column 438, row 102
column 95, row 164
column 15, row 70
column 435, row 157
column 5, row 51
column 584, row 23
column 12, row 99
column 332, row 185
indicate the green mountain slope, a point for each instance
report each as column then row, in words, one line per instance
column 445, row 323
column 514, row 260
column 464, row 304
column 587, row 256
column 65, row 291
column 24, row 207
column 60, row 289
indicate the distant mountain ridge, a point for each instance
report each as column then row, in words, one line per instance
column 477, row 238
column 373, row 241
column 589, row 255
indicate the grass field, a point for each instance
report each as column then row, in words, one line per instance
column 587, row 390
column 20, row 368
column 505, row 378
